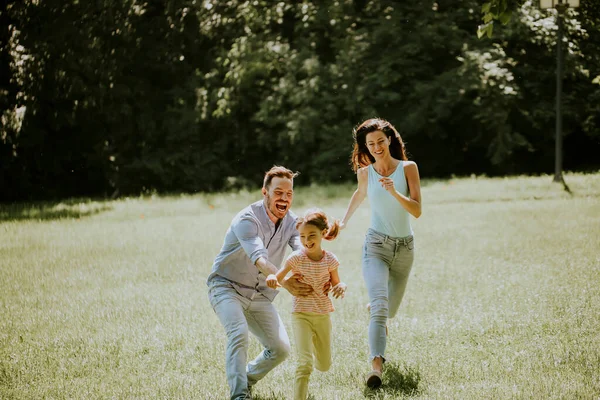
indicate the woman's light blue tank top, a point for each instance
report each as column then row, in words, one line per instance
column 387, row 215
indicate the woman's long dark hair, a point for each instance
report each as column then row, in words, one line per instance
column 361, row 157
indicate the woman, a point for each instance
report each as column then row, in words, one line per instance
column 392, row 184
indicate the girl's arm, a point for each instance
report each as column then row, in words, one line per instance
column 337, row 288
column 362, row 175
column 411, row 204
column 274, row 279
column 283, row 272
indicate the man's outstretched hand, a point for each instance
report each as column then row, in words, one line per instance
column 296, row 287
column 327, row 288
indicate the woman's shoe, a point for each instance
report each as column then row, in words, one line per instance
column 374, row 379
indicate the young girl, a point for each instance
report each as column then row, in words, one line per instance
column 310, row 314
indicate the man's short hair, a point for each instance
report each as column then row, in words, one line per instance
column 278, row 172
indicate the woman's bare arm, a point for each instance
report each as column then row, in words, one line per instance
column 359, row 195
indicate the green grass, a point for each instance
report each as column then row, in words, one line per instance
column 108, row 299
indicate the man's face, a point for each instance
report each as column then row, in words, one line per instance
column 278, row 197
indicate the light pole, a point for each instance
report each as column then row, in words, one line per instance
column 561, row 7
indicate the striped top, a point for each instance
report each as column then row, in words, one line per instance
column 316, row 274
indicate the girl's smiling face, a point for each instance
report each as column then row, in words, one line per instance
column 311, row 237
column 378, row 144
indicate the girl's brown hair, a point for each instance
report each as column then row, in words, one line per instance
column 317, row 217
column 361, row 157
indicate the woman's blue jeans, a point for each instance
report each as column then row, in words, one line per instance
column 387, row 262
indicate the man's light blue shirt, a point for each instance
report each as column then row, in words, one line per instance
column 251, row 235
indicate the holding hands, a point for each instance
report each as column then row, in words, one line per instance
column 337, row 291
column 272, row 281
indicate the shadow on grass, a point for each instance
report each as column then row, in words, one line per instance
column 45, row 211
column 275, row 396
column 397, row 381
column 271, row 396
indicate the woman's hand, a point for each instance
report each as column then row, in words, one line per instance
column 339, row 290
column 272, row 281
column 387, row 184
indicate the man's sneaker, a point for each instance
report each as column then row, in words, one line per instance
column 249, row 395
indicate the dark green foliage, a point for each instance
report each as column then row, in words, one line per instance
column 112, row 97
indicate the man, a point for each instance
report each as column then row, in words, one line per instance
column 254, row 247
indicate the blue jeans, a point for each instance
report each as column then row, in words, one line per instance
column 387, row 262
column 240, row 315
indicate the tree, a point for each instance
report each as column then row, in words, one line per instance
column 121, row 97
column 496, row 10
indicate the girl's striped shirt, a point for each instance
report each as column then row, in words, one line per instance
column 316, row 274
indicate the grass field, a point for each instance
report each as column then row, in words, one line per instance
column 107, row 300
